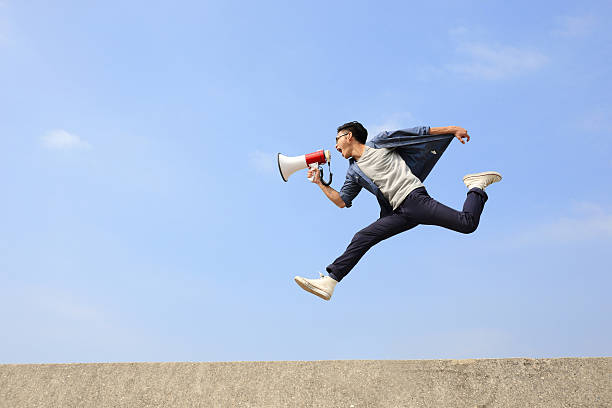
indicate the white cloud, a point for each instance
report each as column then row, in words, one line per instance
column 495, row 62
column 482, row 59
column 459, row 31
column 587, row 221
column 597, row 120
column 263, row 162
column 395, row 121
column 575, row 26
column 62, row 140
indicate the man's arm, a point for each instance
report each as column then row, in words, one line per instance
column 332, row 194
column 459, row 132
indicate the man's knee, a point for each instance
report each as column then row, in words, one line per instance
column 362, row 236
column 366, row 236
column 468, row 228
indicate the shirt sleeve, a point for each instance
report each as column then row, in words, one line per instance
column 399, row 136
column 349, row 190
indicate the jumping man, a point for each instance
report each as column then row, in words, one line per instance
column 392, row 166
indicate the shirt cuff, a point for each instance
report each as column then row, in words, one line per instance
column 347, row 203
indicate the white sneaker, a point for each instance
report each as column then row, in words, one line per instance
column 322, row 287
column 481, row 180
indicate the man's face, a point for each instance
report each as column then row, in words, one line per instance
column 342, row 143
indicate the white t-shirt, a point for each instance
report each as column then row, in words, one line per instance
column 389, row 172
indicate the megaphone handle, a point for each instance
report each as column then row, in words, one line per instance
column 313, row 167
column 330, row 175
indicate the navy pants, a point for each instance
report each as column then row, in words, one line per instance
column 417, row 208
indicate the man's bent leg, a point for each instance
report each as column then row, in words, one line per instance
column 474, row 204
column 423, row 209
column 379, row 230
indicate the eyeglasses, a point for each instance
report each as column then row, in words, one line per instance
column 341, row 136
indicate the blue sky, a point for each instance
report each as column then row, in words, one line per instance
column 143, row 217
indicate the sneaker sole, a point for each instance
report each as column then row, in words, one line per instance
column 484, row 173
column 309, row 288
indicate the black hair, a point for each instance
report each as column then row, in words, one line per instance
column 359, row 132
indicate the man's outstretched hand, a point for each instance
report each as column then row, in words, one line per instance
column 461, row 134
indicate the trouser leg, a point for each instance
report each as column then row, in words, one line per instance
column 423, row 209
column 379, row 230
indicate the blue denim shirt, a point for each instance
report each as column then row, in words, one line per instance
column 416, row 146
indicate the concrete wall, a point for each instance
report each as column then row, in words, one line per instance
column 525, row 383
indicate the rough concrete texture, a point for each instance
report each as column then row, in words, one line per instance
column 567, row 382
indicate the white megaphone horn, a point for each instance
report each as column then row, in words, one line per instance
column 290, row 164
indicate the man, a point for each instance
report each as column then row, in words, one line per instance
column 392, row 166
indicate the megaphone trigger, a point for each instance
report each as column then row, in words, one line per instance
column 313, row 167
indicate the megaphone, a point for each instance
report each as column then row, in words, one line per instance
column 290, row 164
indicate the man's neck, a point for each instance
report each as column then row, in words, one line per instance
column 358, row 150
